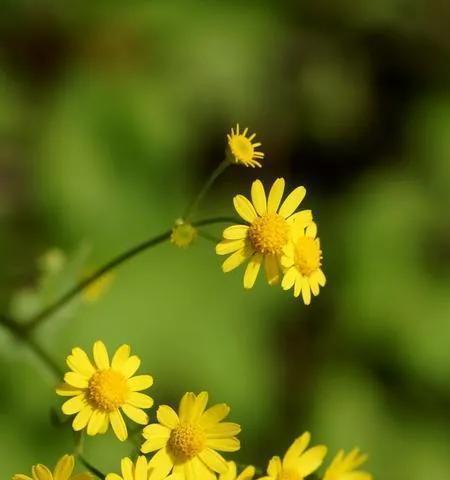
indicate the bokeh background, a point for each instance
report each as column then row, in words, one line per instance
column 111, row 116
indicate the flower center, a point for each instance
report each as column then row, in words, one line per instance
column 107, row 390
column 288, row 475
column 186, row 441
column 269, row 233
column 241, row 147
column 308, row 255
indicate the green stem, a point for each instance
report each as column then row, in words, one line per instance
column 91, row 467
column 191, row 209
column 41, row 316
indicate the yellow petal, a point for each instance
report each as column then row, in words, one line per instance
column 96, row 422
column 101, row 357
column 160, row 465
column 231, row 444
column 237, row 258
column 82, row 418
column 311, row 230
column 275, row 195
column 113, row 476
column 231, row 473
column 67, row 391
column 311, row 460
column 135, row 414
column 84, row 476
column 79, row 362
column 64, row 468
column 306, row 291
column 140, row 382
column 41, row 472
column 229, row 246
column 321, row 278
column 296, row 449
column 213, row 460
column 118, row 425
column 120, row 357
column 21, row 476
column 244, row 208
column 139, row 400
column 140, row 472
column 74, row 405
column 76, row 380
column 298, row 285
column 221, row 430
column 274, row 467
column 214, row 415
column 289, row 278
column 200, row 470
column 272, row 269
column 247, row 474
column 200, row 403
column 167, row 416
column 235, row 232
column 300, row 219
column 251, row 272
column 130, row 366
column 292, row 202
column 186, row 407
column 154, row 443
column 314, row 284
column 127, row 468
column 259, row 197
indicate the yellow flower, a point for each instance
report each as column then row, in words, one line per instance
column 247, row 474
column 298, row 462
column 269, row 230
column 343, row 467
column 103, row 388
column 137, row 471
column 187, row 442
column 242, row 150
column 302, row 259
column 96, row 289
column 183, row 234
column 62, row 471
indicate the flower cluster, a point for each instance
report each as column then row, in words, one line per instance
column 277, row 235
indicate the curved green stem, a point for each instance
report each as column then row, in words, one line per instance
column 41, row 316
column 191, row 209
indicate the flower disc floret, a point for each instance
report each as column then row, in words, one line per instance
column 242, row 150
column 186, row 441
column 107, row 390
column 269, row 233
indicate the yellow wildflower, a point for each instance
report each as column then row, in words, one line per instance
column 183, row 234
column 62, row 471
column 298, row 462
column 302, row 259
column 247, row 474
column 242, row 150
column 96, row 289
column 268, row 232
column 343, row 467
column 103, row 388
column 187, row 442
column 134, row 471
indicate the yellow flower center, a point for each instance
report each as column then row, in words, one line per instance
column 288, row 475
column 186, row 441
column 241, row 147
column 107, row 390
column 269, row 233
column 308, row 255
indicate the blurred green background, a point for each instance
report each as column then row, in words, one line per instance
column 111, row 116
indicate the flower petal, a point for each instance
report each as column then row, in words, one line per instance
column 74, row 405
column 135, row 414
column 275, row 195
column 65, row 390
column 140, row 382
column 213, row 460
column 130, row 366
column 214, row 415
column 76, row 380
column 118, row 425
column 156, row 437
column 272, row 269
column 120, row 357
column 244, row 208
column 82, row 418
column 140, row 472
column 292, row 202
column 296, row 449
column 101, row 355
column 259, row 197
column 306, row 291
column 224, row 429
column 231, row 444
column 64, row 468
column 274, row 467
column 311, row 230
column 311, row 460
column 160, row 465
column 96, row 422
column 229, row 246
column 235, row 232
column 252, row 270
column 187, row 405
column 41, row 472
column 167, row 416
column 289, row 278
column 79, row 362
column 139, row 400
column 127, row 468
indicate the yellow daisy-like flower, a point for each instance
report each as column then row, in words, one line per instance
column 103, row 388
column 298, row 462
column 247, row 474
column 242, row 150
column 97, row 289
column 302, row 259
column 137, row 471
column 187, row 442
column 268, row 231
column 183, row 234
column 63, row 471
column 343, row 467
